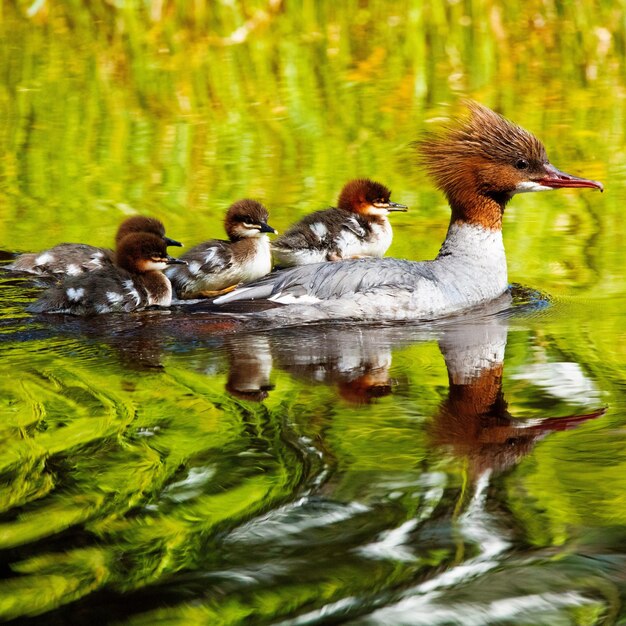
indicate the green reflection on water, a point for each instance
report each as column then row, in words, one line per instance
column 126, row 467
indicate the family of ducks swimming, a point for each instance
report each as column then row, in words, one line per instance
column 331, row 264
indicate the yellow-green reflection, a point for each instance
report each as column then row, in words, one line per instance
column 141, row 477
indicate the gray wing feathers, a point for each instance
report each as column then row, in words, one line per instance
column 203, row 260
column 333, row 280
column 212, row 256
column 64, row 258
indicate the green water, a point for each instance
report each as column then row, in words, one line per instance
column 164, row 468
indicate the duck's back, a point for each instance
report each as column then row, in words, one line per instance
column 102, row 291
column 322, row 236
column 67, row 259
column 217, row 264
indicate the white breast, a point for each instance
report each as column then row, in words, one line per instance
column 379, row 239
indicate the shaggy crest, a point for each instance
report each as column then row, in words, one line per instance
column 484, row 138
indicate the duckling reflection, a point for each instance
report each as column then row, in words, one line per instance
column 357, row 360
column 250, row 367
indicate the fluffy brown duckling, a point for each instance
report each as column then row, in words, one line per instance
column 135, row 282
column 217, row 266
column 358, row 227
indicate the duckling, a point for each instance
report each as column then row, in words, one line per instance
column 73, row 259
column 135, row 282
column 216, row 266
column 358, row 227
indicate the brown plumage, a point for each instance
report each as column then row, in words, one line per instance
column 479, row 161
column 142, row 224
column 361, row 193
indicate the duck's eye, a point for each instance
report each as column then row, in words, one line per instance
column 522, row 164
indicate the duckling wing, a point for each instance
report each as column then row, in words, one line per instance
column 207, row 263
column 327, row 281
column 69, row 259
column 211, row 256
column 321, row 229
column 320, row 236
column 103, row 291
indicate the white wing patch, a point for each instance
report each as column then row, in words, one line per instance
column 355, row 227
column 319, row 230
column 114, row 297
column 75, row 295
column 229, row 296
column 347, row 244
column 43, row 258
column 289, row 299
column 210, row 255
column 73, row 270
column 193, row 267
column 132, row 292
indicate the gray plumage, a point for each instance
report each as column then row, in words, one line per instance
column 73, row 259
column 65, row 258
column 216, row 264
column 470, row 269
column 134, row 283
column 480, row 163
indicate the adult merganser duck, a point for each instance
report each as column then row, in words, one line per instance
column 217, row 266
column 480, row 164
column 73, row 259
column 135, row 282
column 358, row 227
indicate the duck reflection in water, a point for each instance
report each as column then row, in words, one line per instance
column 250, row 367
column 356, row 360
column 472, row 422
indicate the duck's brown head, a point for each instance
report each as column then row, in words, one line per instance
column 143, row 224
column 139, row 253
column 481, row 161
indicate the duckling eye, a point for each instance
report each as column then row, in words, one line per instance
column 521, row 164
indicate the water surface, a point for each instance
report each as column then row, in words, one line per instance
column 188, row 469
